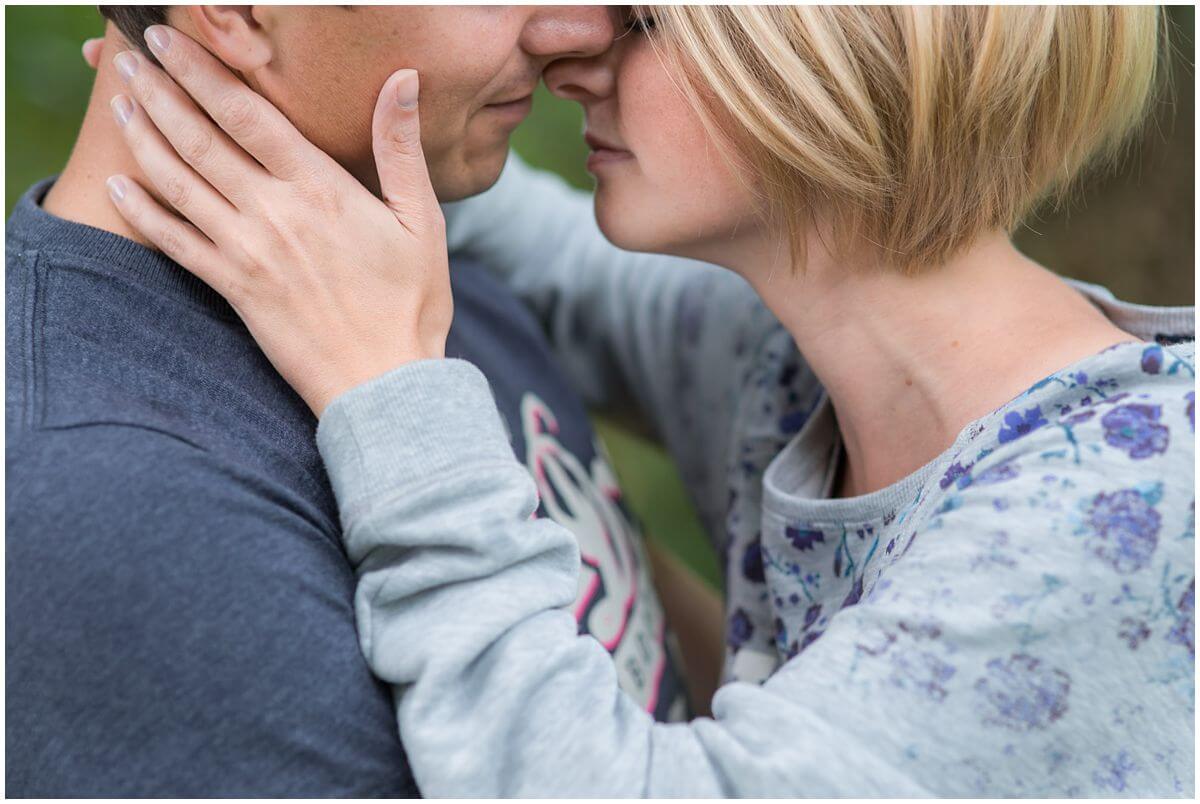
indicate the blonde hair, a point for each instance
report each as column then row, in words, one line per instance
column 915, row 128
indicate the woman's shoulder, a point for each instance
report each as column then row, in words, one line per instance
column 1098, row 457
column 1128, row 410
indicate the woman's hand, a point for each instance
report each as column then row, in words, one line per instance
column 336, row 286
column 91, row 51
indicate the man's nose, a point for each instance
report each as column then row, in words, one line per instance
column 555, row 32
column 583, row 80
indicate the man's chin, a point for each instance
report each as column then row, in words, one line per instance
column 468, row 176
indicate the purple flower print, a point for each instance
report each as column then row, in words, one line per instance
column 1124, row 529
column 956, row 473
column 740, row 629
column 856, row 590
column 922, row 671
column 791, row 422
column 1184, row 632
column 1021, row 693
column 1018, row 425
column 926, row 629
column 1134, row 632
column 803, row 538
column 912, row 538
column 809, row 638
column 1079, row 418
column 1113, row 772
column 885, row 640
column 781, row 635
column 752, row 563
column 1135, row 429
column 788, row 374
column 1001, row 472
column 810, row 616
column 1152, row 359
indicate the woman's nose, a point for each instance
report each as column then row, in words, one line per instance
column 581, row 80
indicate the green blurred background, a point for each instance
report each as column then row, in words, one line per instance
column 1132, row 231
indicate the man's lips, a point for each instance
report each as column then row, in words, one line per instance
column 517, row 109
column 523, row 102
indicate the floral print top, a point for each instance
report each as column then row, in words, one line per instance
column 1016, row 618
column 1035, row 584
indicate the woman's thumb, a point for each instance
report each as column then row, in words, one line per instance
column 396, row 135
column 91, row 51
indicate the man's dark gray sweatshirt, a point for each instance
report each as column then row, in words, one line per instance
column 179, row 605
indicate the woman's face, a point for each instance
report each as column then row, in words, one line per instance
column 662, row 183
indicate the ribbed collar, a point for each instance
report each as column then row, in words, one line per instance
column 106, row 252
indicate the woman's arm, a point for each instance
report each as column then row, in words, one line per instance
column 991, row 652
column 461, row 605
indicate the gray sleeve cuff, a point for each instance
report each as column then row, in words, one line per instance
column 401, row 429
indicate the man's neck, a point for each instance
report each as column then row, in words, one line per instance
column 80, row 193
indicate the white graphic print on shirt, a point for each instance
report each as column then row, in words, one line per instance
column 616, row 602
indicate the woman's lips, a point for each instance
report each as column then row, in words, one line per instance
column 604, row 153
column 606, row 156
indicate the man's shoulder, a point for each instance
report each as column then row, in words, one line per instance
column 130, row 482
column 214, row 611
column 142, row 357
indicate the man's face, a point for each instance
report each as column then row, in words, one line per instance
column 478, row 66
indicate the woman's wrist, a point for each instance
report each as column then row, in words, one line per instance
column 422, row 420
column 345, row 376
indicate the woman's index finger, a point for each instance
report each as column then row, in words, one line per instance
column 247, row 117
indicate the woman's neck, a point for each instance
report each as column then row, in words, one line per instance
column 909, row 361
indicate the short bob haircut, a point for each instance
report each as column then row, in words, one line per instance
column 917, row 129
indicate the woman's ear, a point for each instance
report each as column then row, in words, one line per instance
column 233, row 34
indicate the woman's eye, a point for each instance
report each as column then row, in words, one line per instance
column 640, row 23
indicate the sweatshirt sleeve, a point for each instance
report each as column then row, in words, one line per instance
column 461, row 603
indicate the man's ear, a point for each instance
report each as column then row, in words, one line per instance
column 233, row 34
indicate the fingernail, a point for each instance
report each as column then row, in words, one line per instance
column 116, row 188
column 158, row 38
column 122, row 108
column 126, row 64
column 406, row 90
